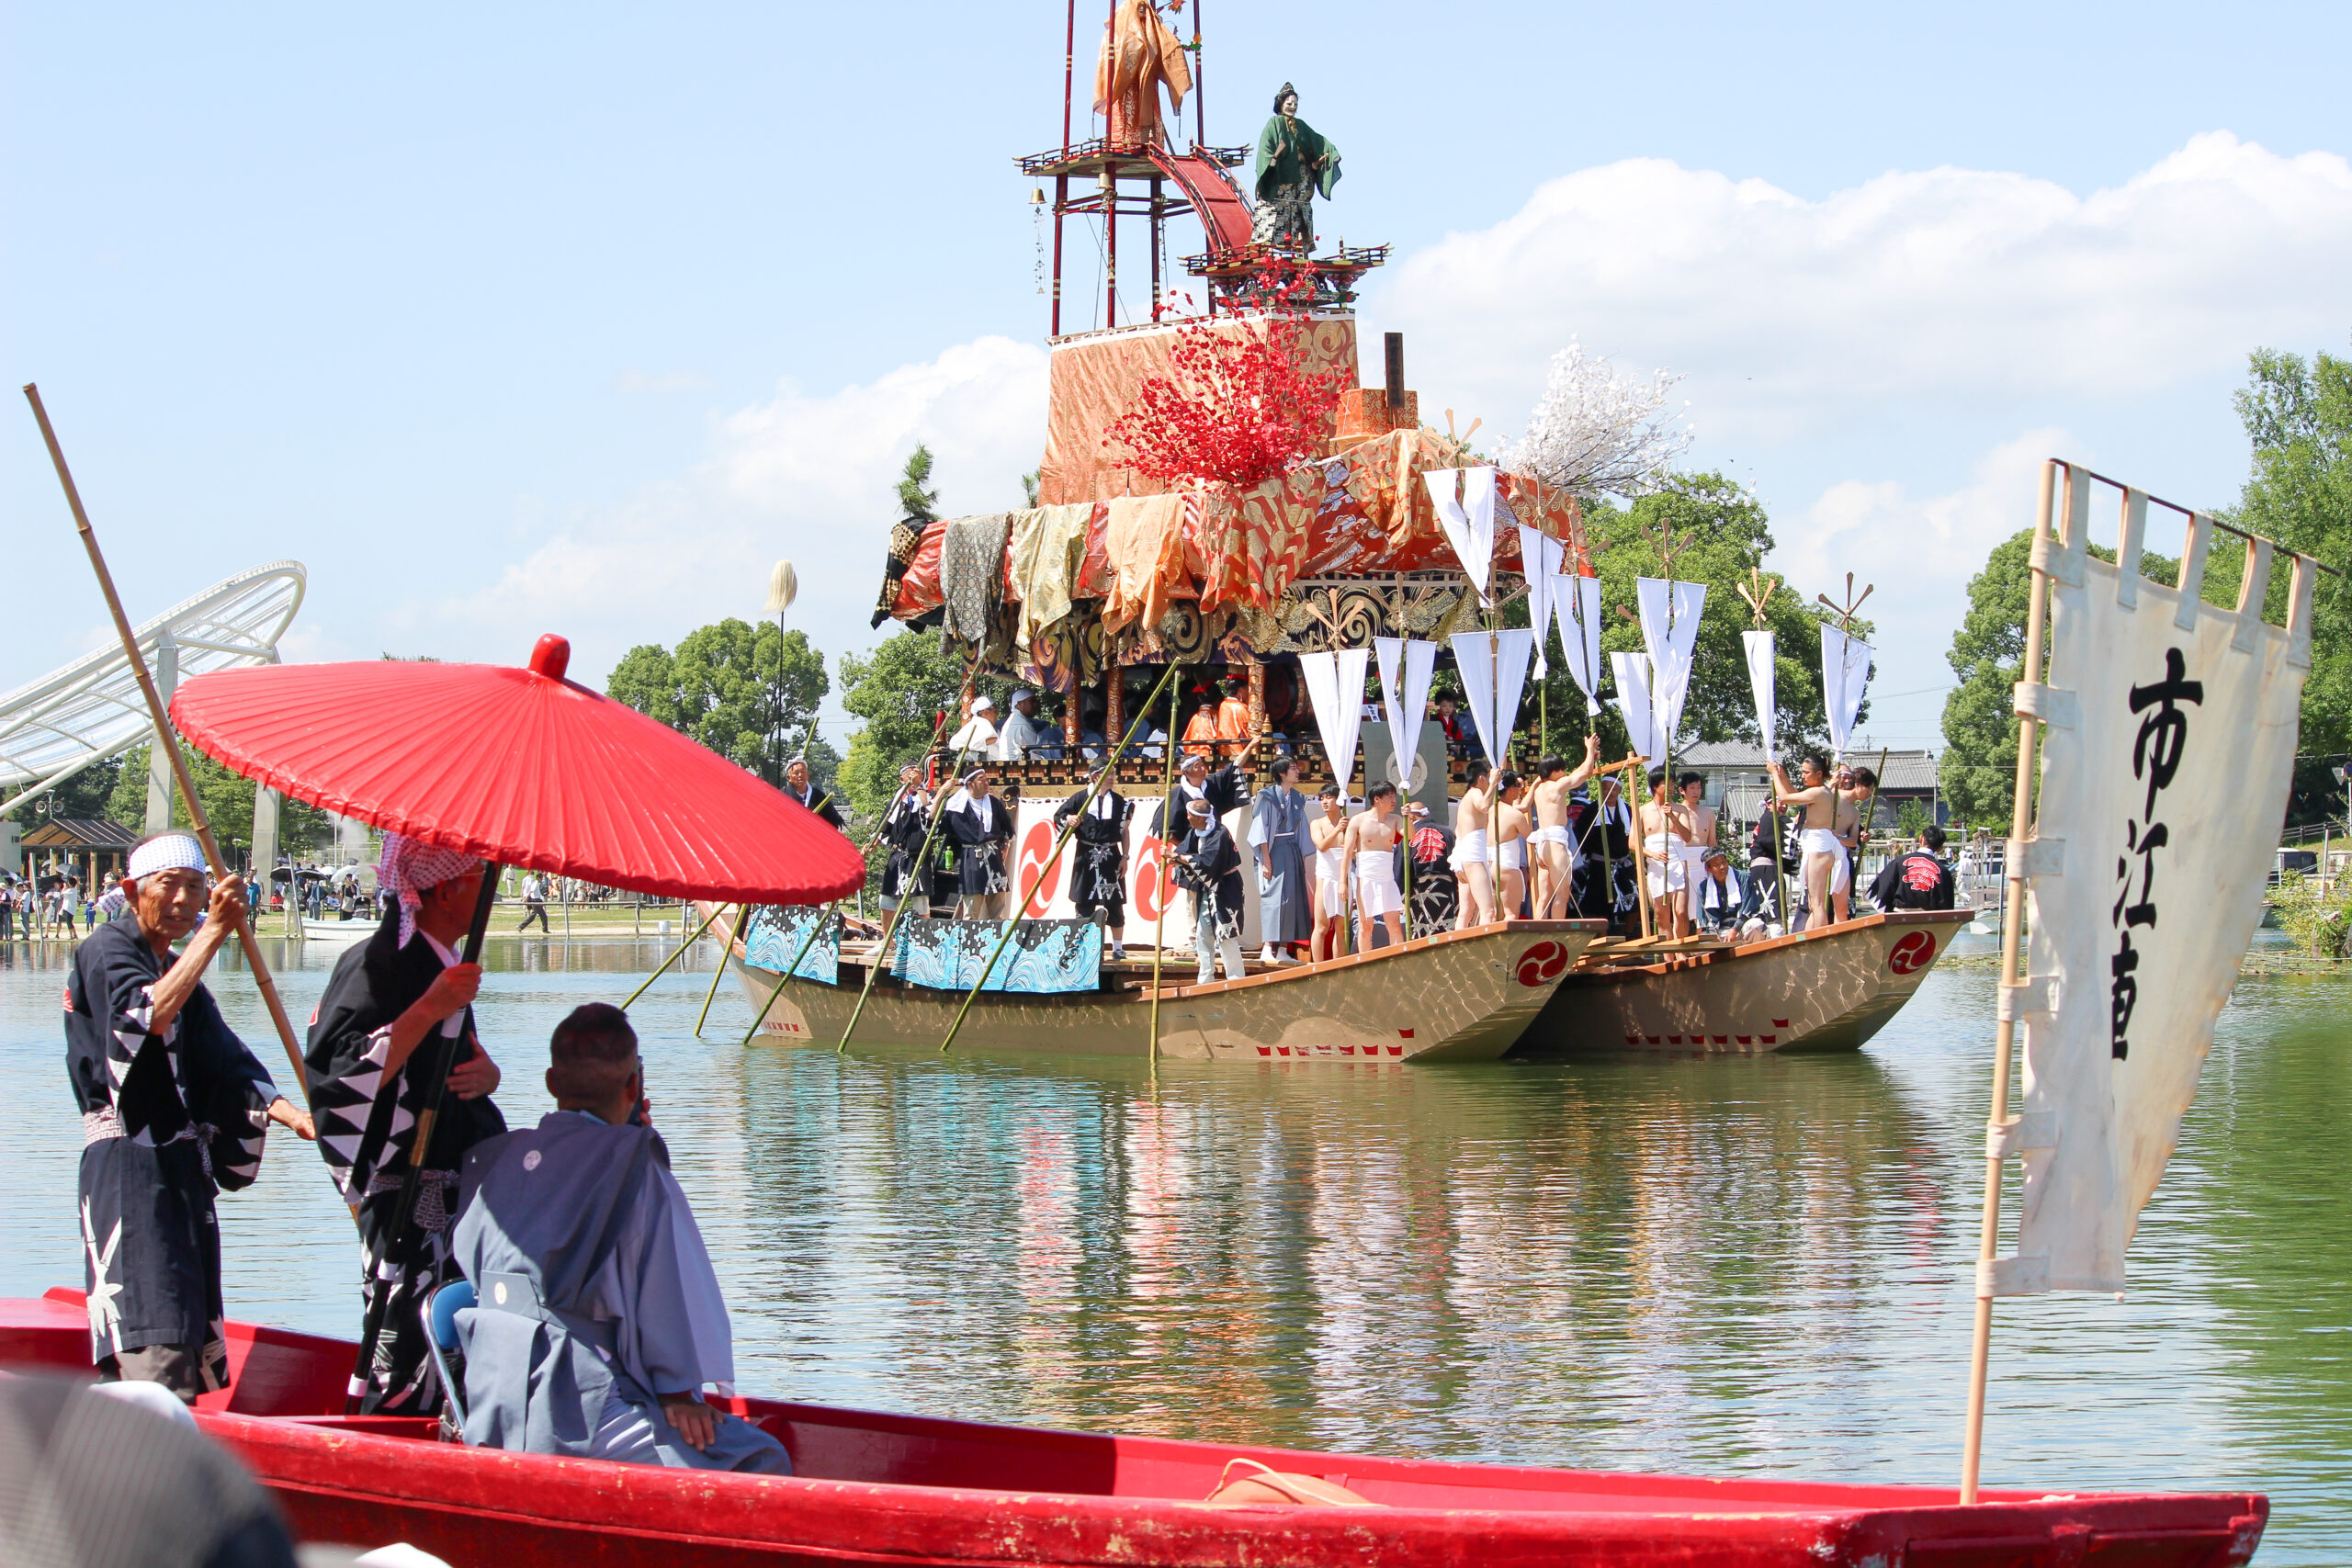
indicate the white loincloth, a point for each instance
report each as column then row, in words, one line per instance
column 1662, row 870
column 1511, row 854
column 1376, row 884
column 1470, row 848
column 1824, row 842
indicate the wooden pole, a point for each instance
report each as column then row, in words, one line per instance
column 1101, row 779
column 1160, row 873
column 922, row 870
column 163, row 738
column 2004, row 1029
column 1641, row 855
column 666, row 964
column 718, row 970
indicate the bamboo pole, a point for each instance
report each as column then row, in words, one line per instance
column 1641, row 855
column 666, row 964
column 1159, row 871
column 170, row 743
column 923, row 871
column 718, row 970
column 2004, row 1029
column 1110, row 768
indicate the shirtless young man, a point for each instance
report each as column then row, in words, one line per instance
column 1554, row 851
column 1329, row 829
column 1694, row 787
column 1370, row 847
column 1473, row 856
column 1510, row 843
column 1665, row 828
column 1825, row 869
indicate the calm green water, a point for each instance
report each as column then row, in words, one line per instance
column 1741, row 1268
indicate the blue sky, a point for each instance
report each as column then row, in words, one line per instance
column 535, row 318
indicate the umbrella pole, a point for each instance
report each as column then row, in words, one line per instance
column 1109, row 768
column 1159, row 871
column 922, row 869
column 718, row 970
column 444, row 1047
column 666, row 964
column 164, row 738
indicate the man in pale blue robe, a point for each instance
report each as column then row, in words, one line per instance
column 598, row 1319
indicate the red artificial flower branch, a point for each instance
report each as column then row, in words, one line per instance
column 1240, row 407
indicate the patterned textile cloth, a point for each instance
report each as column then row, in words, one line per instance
column 1047, row 549
column 778, row 935
column 906, row 539
column 971, row 574
column 1255, row 540
column 1285, row 216
column 411, row 868
column 1044, row 958
column 1094, row 562
column 1143, row 538
column 918, row 592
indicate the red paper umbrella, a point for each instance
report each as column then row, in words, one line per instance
column 521, row 767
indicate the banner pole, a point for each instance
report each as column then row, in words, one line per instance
column 1102, row 780
column 2004, row 1029
column 1159, row 877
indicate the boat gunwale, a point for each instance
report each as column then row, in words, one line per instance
column 1730, row 953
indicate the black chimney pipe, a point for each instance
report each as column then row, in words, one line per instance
column 1394, row 346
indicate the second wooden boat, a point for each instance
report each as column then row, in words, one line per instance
column 1817, row 991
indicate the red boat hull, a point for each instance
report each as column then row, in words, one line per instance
column 907, row 1490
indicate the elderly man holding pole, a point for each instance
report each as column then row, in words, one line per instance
column 173, row 1110
column 369, row 1062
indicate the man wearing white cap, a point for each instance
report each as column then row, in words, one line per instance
column 1022, row 735
column 977, row 741
column 173, row 1109
column 370, row 1050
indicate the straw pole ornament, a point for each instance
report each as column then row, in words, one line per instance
column 166, row 739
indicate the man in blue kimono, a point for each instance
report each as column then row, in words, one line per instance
column 598, row 1319
column 173, row 1110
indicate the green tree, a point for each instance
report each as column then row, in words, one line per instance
column 86, row 794
column 1728, row 534
column 917, row 498
column 228, row 805
column 2299, row 416
column 897, row 692
column 751, row 693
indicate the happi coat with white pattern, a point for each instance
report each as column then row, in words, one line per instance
column 168, row 1120
column 366, row 1125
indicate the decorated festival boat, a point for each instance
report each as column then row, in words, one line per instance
column 1461, row 996
column 1829, row 989
column 873, row 1487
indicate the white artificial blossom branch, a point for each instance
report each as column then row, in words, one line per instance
column 1594, row 433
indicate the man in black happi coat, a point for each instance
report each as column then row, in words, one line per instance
column 371, row 1042
column 173, row 1109
column 1098, row 882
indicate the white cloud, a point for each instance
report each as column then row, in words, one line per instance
column 805, row 477
column 1945, row 286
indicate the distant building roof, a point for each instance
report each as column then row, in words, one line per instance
column 1908, row 771
column 80, row 833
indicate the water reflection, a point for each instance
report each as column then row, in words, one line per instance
column 1730, row 1267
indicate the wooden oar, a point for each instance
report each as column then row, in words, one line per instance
column 170, row 743
column 1110, row 767
column 922, row 869
column 1159, row 871
column 666, row 964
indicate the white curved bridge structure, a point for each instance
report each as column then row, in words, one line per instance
column 92, row 709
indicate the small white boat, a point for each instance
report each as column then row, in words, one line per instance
column 355, row 930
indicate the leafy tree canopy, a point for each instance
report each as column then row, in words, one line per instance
column 228, row 805
column 751, row 693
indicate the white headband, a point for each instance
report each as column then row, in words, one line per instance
column 166, row 851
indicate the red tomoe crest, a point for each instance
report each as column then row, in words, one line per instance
column 1150, row 888
column 1036, row 873
column 1911, row 954
column 1542, row 964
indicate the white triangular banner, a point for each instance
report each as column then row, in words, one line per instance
column 1469, row 523
column 1578, row 605
column 1633, row 674
column 1845, row 676
column 1760, row 670
column 1335, row 688
column 1414, row 661
column 1671, row 613
column 1539, row 556
column 1494, row 674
